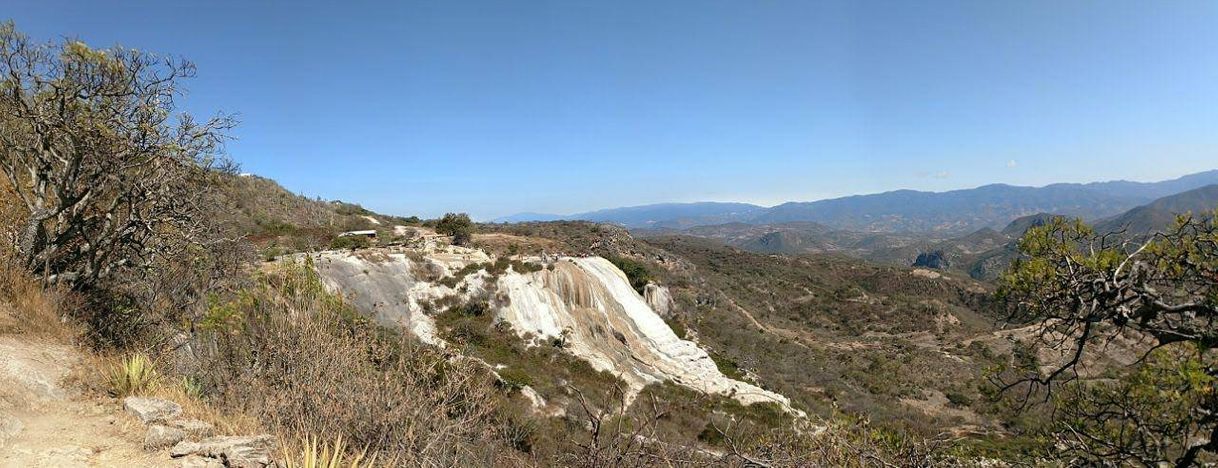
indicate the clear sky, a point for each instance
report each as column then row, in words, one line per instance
column 562, row 106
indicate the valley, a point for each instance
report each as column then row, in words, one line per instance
column 173, row 295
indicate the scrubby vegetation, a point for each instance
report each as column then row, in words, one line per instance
column 836, row 334
column 343, row 374
column 140, row 243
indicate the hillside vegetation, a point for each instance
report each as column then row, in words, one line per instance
column 130, row 239
column 186, row 322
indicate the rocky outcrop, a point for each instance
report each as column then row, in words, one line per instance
column 395, row 287
column 166, row 429
column 151, row 409
column 586, row 302
column 659, row 299
column 232, row 451
column 160, row 436
column 590, row 304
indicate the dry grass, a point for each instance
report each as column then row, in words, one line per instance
column 195, row 407
column 304, row 364
column 500, row 243
column 312, row 452
column 27, row 308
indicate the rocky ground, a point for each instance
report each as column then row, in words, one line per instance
column 44, row 422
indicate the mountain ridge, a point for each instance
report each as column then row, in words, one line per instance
column 954, row 212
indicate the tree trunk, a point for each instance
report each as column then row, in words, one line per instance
column 31, row 239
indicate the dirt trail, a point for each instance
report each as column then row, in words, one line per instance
column 45, row 424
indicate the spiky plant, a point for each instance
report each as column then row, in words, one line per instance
column 311, row 452
column 133, row 375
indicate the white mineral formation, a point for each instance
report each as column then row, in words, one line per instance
column 394, row 287
column 587, row 303
column 658, row 298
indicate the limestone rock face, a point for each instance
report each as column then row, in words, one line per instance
column 152, row 409
column 590, row 304
column 659, row 299
column 585, row 302
column 392, row 287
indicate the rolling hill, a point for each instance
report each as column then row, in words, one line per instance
column 981, row 254
column 1162, row 212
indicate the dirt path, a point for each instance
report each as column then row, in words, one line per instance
column 44, row 424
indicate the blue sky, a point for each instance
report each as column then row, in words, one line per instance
column 564, row 106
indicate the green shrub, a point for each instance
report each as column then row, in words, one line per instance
column 635, row 271
column 457, row 225
column 959, row 399
column 350, row 242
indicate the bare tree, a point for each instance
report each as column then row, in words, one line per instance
column 110, row 175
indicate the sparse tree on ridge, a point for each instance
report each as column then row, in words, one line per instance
column 457, row 225
column 110, row 174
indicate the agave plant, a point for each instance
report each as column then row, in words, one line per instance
column 133, row 375
column 311, row 452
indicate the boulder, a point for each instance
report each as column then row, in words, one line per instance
column 152, row 409
column 233, row 451
column 193, row 427
column 200, row 462
column 161, row 436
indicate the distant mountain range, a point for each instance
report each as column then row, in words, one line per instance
column 658, row 216
column 1162, row 212
column 907, row 211
column 981, row 254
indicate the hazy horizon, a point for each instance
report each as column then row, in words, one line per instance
column 771, row 205
column 496, row 109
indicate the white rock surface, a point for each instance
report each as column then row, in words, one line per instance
column 659, row 299
column 587, row 301
column 386, row 284
column 609, row 325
